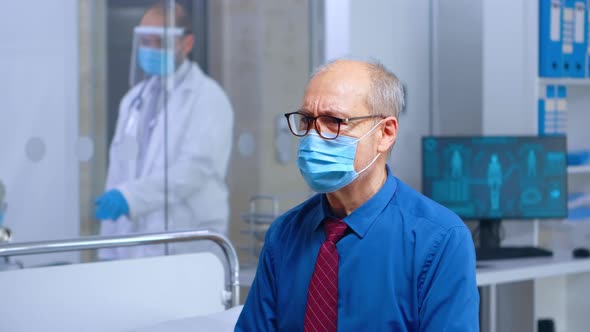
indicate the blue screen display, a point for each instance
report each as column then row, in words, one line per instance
column 497, row 177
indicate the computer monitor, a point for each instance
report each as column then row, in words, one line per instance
column 490, row 178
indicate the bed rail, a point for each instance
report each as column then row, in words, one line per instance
column 99, row 242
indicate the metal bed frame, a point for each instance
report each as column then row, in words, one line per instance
column 99, row 242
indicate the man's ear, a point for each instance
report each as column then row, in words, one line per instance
column 187, row 44
column 388, row 134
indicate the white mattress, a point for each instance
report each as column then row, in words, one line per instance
column 218, row 322
column 111, row 296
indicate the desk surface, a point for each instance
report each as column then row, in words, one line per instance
column 514, row 270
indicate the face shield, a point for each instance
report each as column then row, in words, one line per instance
column 156, row 52
column 2, row 203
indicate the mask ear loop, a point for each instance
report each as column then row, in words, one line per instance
column 370, row 131
column 370, row 164
column 378, row 154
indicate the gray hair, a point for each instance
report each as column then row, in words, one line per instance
column 386, row 95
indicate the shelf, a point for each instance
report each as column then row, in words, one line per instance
column 583, row 169
column 564, row 81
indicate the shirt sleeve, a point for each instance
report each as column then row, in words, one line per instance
column 449, row 299
column 259, row 312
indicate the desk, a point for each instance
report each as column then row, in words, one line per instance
column 522, row 280
column 514, row 270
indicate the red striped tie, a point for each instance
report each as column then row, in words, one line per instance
column 321, row 313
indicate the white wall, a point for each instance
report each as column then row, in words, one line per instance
column 509, row 68
column 457, row 61
column 397, row 33
column 39, row 92
column 337, row 21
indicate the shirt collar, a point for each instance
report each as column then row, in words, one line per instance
column 361, row 219
column 181, row 72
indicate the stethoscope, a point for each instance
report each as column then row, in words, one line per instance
column 137, row 101
column 137, row 104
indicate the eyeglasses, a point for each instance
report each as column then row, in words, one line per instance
column 328, row 127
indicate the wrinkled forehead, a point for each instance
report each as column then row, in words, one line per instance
column 339, row 92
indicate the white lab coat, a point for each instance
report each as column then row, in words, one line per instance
column 199, row 140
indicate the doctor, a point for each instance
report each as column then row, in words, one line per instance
column 170, row 151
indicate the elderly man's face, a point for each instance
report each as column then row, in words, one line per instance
column 342, row 92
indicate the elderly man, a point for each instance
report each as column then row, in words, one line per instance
column 368, row 253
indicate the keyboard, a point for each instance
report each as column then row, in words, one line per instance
column 483, row 254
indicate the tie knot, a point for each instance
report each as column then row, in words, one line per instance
column 335, row 229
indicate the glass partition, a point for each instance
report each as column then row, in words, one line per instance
column 127, row 118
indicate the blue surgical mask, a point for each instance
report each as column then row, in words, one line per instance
column 328, row 165
column 155, row 61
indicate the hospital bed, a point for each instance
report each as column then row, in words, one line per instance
column 187, row 292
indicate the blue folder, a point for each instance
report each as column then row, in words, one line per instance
column 547, row 116
column 577, row 60
column 567, row 37
column 541, row 117
column 550, row 41
column 561, row 114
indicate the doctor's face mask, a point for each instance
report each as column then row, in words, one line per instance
column 328, row 165
column 156, row 61
column 151, row 55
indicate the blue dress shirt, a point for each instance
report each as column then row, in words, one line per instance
column 407, row 264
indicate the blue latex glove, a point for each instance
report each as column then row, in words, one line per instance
column 2, row 212
column 111, row 205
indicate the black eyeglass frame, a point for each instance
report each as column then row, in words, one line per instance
column 317, row 128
